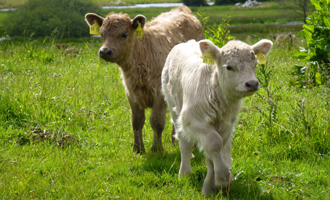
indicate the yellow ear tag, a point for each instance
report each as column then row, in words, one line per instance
column 139, row 31
column 95, row 29
column 261, row 58
column 208, row 57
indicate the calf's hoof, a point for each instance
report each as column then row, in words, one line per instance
column 157, row 148
column 209, row 190
column 138, row 149
column 225, row 191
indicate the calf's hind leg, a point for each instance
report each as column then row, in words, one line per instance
column 157, row 121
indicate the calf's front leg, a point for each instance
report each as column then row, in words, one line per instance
column 209, row 182
column 213, row 146
column 186, row 148
column 138, row 119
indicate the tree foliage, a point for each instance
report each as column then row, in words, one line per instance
column 40, row 18
column 194, row 2
column 317, row 53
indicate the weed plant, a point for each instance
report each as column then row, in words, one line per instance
column 45, row 93
column 316, row 54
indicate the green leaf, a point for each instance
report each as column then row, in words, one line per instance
column 318, row 78
column 300, row 55
column 310, row 28
column 300, row 69
column 316, row 4
column 327, row 22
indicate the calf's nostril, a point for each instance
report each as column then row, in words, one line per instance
column 105, row 53
column 252, row 85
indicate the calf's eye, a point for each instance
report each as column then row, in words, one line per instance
column 229, row 68
column 124, row 36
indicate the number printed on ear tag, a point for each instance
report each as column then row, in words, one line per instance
column 139, row 31
column 208, row 57
column 261, row 58
column 95, row 29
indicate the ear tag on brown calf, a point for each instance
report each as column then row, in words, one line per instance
column 261, row 58
column 139, row 31
column 208, row 57
column 95, row 29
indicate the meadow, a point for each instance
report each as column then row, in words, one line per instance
column 65, row 130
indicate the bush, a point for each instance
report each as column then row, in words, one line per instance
column 219, row 35
column 316, row 55
column 194, row 2
column 40, row 18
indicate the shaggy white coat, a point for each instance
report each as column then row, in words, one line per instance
column 204, row 101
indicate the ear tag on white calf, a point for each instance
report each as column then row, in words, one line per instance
column 95, row 29
column 261, row 58
column 139, row 31
column 208, row 57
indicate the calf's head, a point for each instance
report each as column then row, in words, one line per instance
column 117, row 33
column 236, row 64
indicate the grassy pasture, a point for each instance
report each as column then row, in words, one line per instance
column 262, row 16
column 280, row 149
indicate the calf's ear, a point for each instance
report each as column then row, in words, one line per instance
column 139, row 19
column 263, row 46
column 90, row 18
column 207, row 45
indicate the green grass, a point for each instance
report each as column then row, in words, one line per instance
column 2, row 17
column 11, row 3
column 281, row 143
column 267, row 18
column 280, row 149
column 268, row 13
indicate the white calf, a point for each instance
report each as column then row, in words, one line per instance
column 204, row 101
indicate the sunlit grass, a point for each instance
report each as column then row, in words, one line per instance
column 281, row 154
column 41, row 87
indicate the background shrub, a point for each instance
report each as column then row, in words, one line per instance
column 40, row 18
column 219, row 34
column 194, row 2
column 316, row 55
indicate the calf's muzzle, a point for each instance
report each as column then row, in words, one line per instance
column 252, row 85
column 105, row 53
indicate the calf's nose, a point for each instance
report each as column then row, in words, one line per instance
column 105, row 53
column 252, row 85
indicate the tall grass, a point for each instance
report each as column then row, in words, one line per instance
column 276, row 155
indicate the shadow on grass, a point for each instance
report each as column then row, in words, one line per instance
column 169, row 163
column 248, row 189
